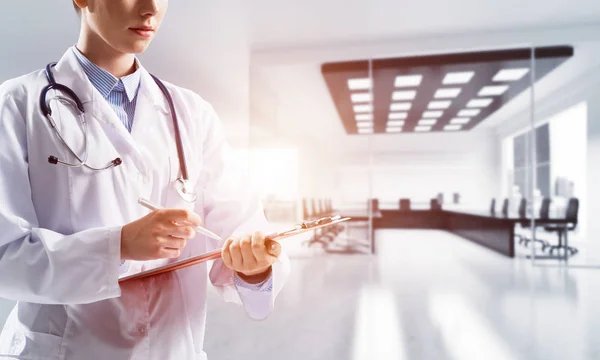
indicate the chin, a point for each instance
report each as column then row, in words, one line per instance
column 136, row 48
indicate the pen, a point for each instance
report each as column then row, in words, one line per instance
column 152, row 206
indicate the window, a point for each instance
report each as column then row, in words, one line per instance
column 521, row 180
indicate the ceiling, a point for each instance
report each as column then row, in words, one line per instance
column 291, row 41
column 277, row 23
column 447, row 92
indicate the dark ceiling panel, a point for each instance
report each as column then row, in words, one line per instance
column 433, row 68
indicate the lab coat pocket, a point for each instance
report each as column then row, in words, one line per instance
column 35, row 346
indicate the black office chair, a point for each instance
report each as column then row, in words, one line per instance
column 306, row 214
column 493, row 206
column 522, row 208
column 404, row 204
column 324, row 210
column 571, row 216
column 435, row 205
column 505, row 207
column 373, row 205
column 522, row 212
column 316, row 213
column 544, row 214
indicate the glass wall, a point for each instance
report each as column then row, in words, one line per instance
column 310, row 151
column 564, row 166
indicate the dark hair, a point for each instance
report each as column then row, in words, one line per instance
column 76, row 8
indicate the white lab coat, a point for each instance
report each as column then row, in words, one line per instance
column 60, row 227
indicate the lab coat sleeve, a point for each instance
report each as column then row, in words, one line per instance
column 38, row 265
column 231, row 208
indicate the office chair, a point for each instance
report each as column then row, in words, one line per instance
column 544, row 214
column 305, row 211
column 505, row 207
column 522, row 212
column 522, row 208
column 571, row 216
column 315, row 209
column 435, row 205
column 493, row 206
column 404, row 204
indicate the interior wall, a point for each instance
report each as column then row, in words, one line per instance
column 417, row 166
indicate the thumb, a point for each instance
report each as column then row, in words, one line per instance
column 273, row 248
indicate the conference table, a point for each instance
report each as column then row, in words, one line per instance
column 363, row 215
column 492, row 230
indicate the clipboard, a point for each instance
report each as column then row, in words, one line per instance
column 216, row 254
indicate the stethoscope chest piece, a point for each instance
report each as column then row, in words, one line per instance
column 185, row 190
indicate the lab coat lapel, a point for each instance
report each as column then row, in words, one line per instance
column 69, row 72
column 151, row 107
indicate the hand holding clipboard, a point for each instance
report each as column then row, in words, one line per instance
column 216, row 254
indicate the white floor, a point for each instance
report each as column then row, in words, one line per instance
column 426, row 295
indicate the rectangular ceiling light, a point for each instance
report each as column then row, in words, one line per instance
column 395, row 123
column 422, row 128
column 361, row 97
column 363, row 108
column 365, row 131
column 408, row 81
column 458, row 78
column 447, row 93
column 510, row 74
column 433, row 114
column 404, row 95
column 493, row 90
column 365, row 124
column 459, row 121
column 452, row 127
column 400, row 106
column 364, row 117
column 393, row 129
column 440, row 104
column 398, row 116
column 427, row 122
column 479, row 103
column 360, row 84
column 469, row 112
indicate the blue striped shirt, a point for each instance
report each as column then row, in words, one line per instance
column 121, row 93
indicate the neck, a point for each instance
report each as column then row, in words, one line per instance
column 106, row 57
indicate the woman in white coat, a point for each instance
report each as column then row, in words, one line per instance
column 67, row 234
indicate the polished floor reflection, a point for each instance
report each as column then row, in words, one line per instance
column 426, row 295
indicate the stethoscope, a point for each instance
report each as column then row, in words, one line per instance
column 182, row 184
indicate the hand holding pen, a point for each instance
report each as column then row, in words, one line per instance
column 251, row 255
column 159, row 235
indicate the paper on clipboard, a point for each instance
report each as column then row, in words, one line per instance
column 216, row 254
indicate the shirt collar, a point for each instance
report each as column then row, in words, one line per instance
column 105, row 82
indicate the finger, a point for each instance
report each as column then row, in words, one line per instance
column 183, row 216
column 258, row 247
column 274, row 248
column 173, row 242
column 226, row 254
column 167, row 253
column 180, row 231
column 237, row 262
column 248, row 259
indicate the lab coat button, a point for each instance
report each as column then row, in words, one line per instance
column 142, row 330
